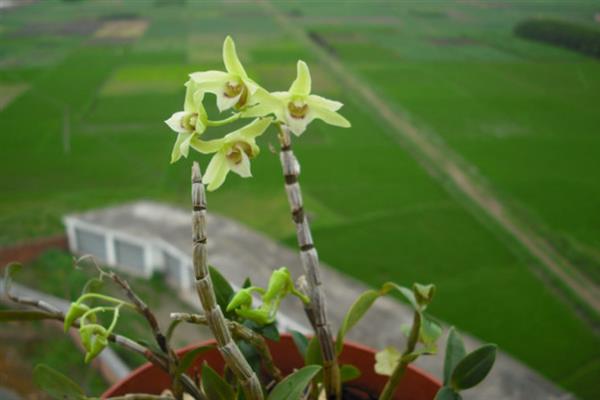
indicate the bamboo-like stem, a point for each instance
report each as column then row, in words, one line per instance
column 240, row 332
column 156, row 359
column 413, row 338
column 231, row 353
column 316, row 309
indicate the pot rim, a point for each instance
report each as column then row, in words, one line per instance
column 347, row 343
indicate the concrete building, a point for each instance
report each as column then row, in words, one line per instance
column 139, row 238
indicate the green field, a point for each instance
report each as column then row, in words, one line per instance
column 522, row 116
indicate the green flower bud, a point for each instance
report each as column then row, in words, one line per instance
column 75, row 311
column 262, row 316
column 243, row 298
column 423, row 293
column 280, row 284
column 98, row 344
column 88, row 332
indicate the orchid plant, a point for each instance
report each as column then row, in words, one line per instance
column 240, row 327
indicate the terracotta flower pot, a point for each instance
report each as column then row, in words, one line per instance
column 416, row 384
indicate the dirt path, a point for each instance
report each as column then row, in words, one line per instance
column 441, row 161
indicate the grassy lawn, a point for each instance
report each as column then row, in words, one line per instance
column 523, row 114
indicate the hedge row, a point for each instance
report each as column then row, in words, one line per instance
column 561, row 33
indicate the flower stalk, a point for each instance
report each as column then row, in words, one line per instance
column 215, row 319
column 315, row 309
column 394, row 380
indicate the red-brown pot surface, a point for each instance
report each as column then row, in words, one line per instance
column 416, row 384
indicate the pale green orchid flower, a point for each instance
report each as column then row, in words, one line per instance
column 297, row 107
column 232, row 88
column 232, row 152
column 190, row 122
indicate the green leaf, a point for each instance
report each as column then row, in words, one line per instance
column 357, row 310
column 57, row 385
column 223, row 290
column 300, row 341
column 349, row 372
column 446, row 393
column 455, row 351
column 214, row 386
column 293, row 386
column 386, row 360
column 430, row 331
column 364, row 302
column 251, row 355
column 271, row 332
column 313, row 352
column 188, row 359
column 247, row 283
column 405, row 292
column 473, row 368
column 24, row 315
column 9, row 271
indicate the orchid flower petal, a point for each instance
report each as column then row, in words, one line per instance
column 302, row 85
column 330, row 117
column 242, row 168
column 322, row 102
column 176, row 152
column 298, row 125
column 175, row 122
column 207, row 146
column 184, row 147
column 216, row 172
column 209, row 76
column 224, row 102
column 231, row 60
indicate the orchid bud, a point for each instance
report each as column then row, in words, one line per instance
column 98, row 343
column 280, row 284
column 75, row 311
column 423, row 293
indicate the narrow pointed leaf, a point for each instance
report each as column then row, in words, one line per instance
column 301, row 342
column 405, row 292
column 57, row 385
column 223, row 290
column 188, row 359
column 446, row 393
column 214, row 386
column 455, row 351
column 313, row 352
column 293, row 386
column 270, row 332
column 349, row 372
column 357, row 310
column 472, row 369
